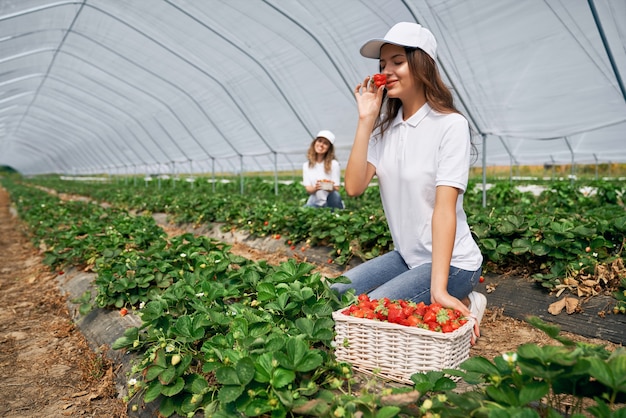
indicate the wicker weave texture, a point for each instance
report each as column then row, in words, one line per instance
column 396, row 352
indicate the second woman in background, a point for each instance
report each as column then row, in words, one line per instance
column 321, row 174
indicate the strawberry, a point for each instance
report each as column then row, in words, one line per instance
column 379, row 79
column 363, row 297
column 394, row 314
column 435, row 307
column 430, row 316
column 420, row 308
column 433, row 326
column 123, row 311
column 414, row 320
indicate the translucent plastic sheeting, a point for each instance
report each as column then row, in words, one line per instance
column 243, row 85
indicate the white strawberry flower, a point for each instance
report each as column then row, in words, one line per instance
column 510, row 357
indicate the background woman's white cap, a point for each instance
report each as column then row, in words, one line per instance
column 326, row 134
column 408, row 34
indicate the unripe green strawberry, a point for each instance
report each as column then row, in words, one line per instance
column 175, row 359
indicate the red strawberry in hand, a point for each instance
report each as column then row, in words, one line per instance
column 379, row 79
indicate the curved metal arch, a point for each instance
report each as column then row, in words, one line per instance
column 42, row 50
column 56, row 50
column 91, row 94
column 201, row 70
column 112, row 126
column 182, row 151
column 61, row 135
column 38, row 130
column 40, row 8
column 154, row 97
column 317, row 41
column 74, row 125
column 180, row 89
column 100, row 111
column 50, row 65
column 444, row 69
column 256, row 61
column 44, row 155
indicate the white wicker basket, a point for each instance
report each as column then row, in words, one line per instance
column 395, row 352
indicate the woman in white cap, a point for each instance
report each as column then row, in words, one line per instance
column 321, row 174
column 411, row 136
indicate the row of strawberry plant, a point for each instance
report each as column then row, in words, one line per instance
column 560, row 233
column 237, row 338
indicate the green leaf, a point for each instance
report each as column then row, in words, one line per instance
column 258, row 407
column 153, row 391
column 167, row 375
column 265, row 292
column 264, row 368
column 167, row 407
column 299, row 356
column 197, row 383
column 533, row 391
column 174, row 389
column 611, row 373
column 479, row 365
column 551, row 330
column 230, row 393
column 241, row 374
column 388, row 412
column 540, row 249
column 489, row 244
column 152, row 372
column 282, row 377
column 503, row 395
column 521, row 246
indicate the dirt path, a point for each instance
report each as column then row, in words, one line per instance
column 47, row 368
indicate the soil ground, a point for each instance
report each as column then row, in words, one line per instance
column 49, row 369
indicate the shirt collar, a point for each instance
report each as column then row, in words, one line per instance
column 415, row 119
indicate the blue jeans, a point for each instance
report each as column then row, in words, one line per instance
column 333, row 201
column 389, row 276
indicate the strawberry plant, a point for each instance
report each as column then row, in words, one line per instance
column 227, row 337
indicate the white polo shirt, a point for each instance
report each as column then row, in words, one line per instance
column 310, row 176
column 415, row 156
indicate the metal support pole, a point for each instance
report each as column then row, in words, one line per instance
column 484, row 170
column 241, row 174
column 275, row 173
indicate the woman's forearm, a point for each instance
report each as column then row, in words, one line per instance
column 357, row 175
column 443, row 233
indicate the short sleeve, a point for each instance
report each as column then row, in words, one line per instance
column 453, row 157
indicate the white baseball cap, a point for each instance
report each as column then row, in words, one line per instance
column 326, row 134
column 406, row 34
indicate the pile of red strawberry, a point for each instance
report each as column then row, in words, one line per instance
column 433, row 317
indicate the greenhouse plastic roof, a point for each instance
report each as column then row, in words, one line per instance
column 144, row 86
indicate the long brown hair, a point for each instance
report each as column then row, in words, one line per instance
column 328, row 157
column 424, row 69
